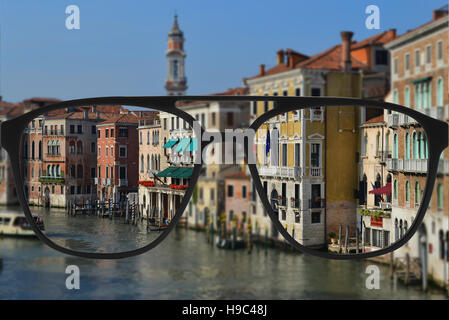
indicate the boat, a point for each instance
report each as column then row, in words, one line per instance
column 227, row 244
column 16, row 224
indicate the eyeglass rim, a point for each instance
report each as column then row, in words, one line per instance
column 436, row 132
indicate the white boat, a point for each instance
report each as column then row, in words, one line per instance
column 16, row 224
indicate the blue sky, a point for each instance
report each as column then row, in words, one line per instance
column 120, row 48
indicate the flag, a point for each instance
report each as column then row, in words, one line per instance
column 267, row 143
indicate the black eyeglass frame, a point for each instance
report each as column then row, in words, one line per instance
column 436, row 131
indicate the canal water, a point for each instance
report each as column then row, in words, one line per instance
column 185, row 266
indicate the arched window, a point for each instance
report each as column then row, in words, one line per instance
column 395, row 146
column 417, row 194
column 442, row 244
column 440, row 199
column 365, row 145
column 401, row 231
column 440, row 92
column 407, row 191
column 422, row 153
column 395, row 96
column 158, row 162
column 53, row 171
column 407, row 146
column 48, row 170
column 395, row 189
column 396, row 230
column 407, row 97
column 142, row 164
column 58, row 147
column 415, row 146
column 40, row 150
column 378, row 144
column 48, row 147
column 72, row 146
column 148, row 162
column 58, row 170
column 32, row 150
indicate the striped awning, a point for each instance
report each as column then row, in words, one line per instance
column 193, row 145
column 170, row 143
column 182, row 145
column 176, row 172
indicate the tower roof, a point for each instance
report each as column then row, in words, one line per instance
column 175, row 31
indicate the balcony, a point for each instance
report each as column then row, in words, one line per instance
column 316, row 114
column 295, row 203
column 282, row 202
column 393, row 121
column 296, row 115
column 108, row 181
column 51, row 179
column 443, row 167
column 281, row 172
column 405, row 121
column 375, row 212
column 122, row 182
column 283, row 117
column 95, row 180
column 407, row 165
column 435, row 112
column 315, row 172
column 103, row 181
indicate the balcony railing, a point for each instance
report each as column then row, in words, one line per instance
column 153, row 122
column 122, row 182
column 316, row 114
column 295, row 203
column 405, row 120
column 383, row 155
column 51, row 179
column 385, row 205
column 407, row 165
column 281, row 172
column 393, row 120
column 282, row 202
column 435, row 112
column 315, row 172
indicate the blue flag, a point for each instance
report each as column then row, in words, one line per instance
column 267, row 143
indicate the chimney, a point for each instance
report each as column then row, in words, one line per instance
column 261, row 69
column 280, row 57
column 346, row 37
column 437, row 14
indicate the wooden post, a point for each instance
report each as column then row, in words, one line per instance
column 266, row 239
column 249, row 236
column 133, row 211
column 346, row 239
column 357, row 240
column 110, row 208
column 391, row 264
column 127, row 212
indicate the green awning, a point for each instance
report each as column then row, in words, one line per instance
column 167, row 172
column 182, row 145
column 193, row 145
column 184, row 173
column 421, row 80
column 170, row 143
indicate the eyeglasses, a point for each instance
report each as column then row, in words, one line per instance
column 338, row 178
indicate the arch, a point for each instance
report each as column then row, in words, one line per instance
column 395, row 189
column 58, row 170
column 415, row 146
column 142, row 164
column 417, row 193
column 395, row 146
column 407, row 191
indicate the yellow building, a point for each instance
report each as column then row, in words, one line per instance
column 312, row 175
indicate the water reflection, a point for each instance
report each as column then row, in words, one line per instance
column 185, row 266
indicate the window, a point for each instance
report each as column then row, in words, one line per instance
column 214, row 118
column 99, row 151
column 92, row 172
column 254, row 107
column 298, row 92
column 407, row 146
column 142, row 163
column 93, row 147
column 244, row 192
column 417, row 193
column 407, row 96
column 230, row 191
column 440, row 199
column 407, row 62
column 297, row 154
column 395, row 66
column 395, row 146
column 316, row 196
column 230, row 119
column 417, row 58
column 123, row 132
column 440, row 92
column 440, row 50
column 428, row 54
column 395, row 189
column 316, row 217
column 112, row 133
column 106, row 133
column 315, row 155
column 72, row 128
column 148, row 137
column 212, row 194
column 122, row 172
column 123, row 151
column 80, row 128
column 381, row 57
column 98, row 133
column 407, row 191
column 284, row 154
column 93, row 130
column 80, row 171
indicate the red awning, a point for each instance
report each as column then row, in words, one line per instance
column 386, row 189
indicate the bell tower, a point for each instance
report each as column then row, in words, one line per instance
column 176, row 82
